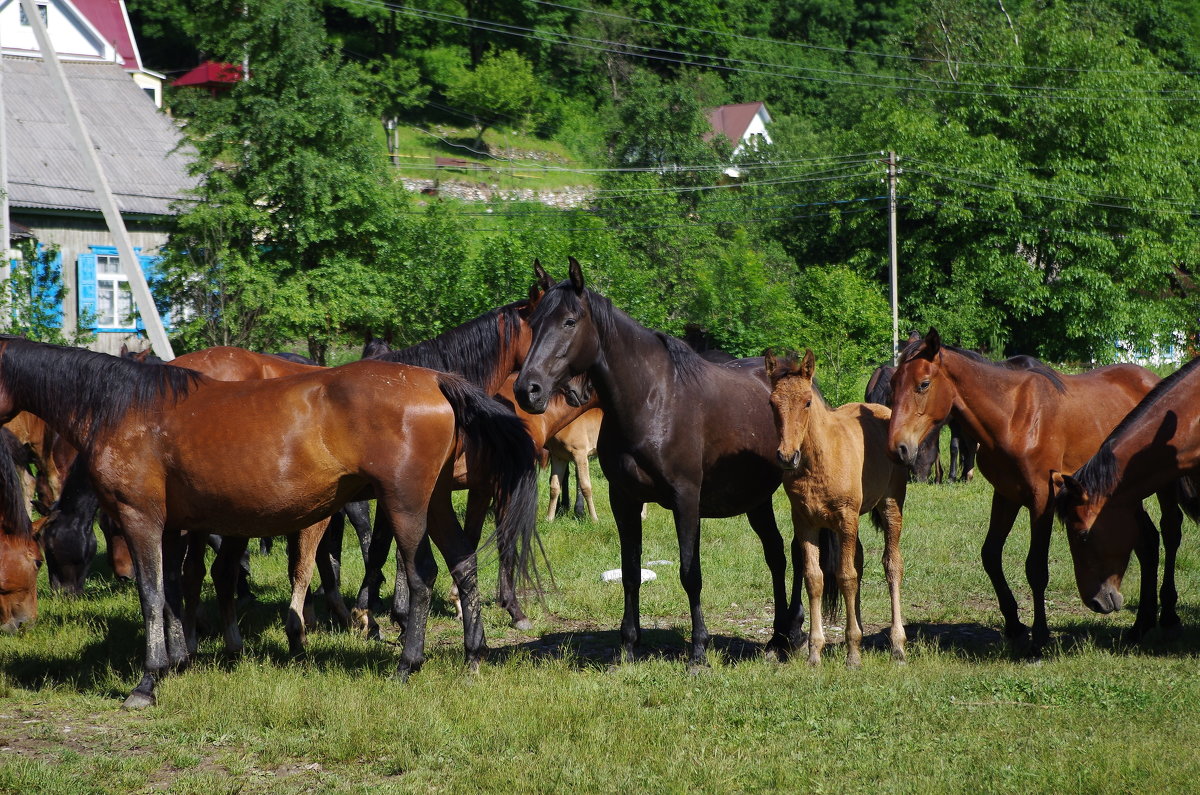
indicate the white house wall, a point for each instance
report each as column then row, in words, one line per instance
column 71, row 34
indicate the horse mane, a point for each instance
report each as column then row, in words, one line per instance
column 102, row 388
column 879, row 388
column 470, row 350
column 1020, row 362
column 1098, row 475
column 14, row 518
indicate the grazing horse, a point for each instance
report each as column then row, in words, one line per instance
column 159, row 440
column 1155, row 445
column 20, row 556
column 697, row 438
column 928, row 464
column 1029, row 421
column 836, row 468
column 574, row 443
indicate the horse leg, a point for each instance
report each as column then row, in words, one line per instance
column 809, row 561
column 359, row 514
column 413, row 549
column 954, row 455
column 627, row 514
column 889, row 513
column 302, row 555
column 1172, row 534
column 1037, row 572
column 329, row 569
column 1146, row 549
column 558, row 474
column 368, row 592
column 193, row 582
column 329, row 554
column 786, row 627
column 225, row 577
column 458, row 549
column 1004, row 513
column 145, row 545
column 687, row 530
column 176, row 634
column 583, row 476
column 848, row 577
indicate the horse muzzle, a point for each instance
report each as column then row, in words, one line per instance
column 788, row 461
column 1106, row 600
column 531, row 396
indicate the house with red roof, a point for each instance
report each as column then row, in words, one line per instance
column 744, row 124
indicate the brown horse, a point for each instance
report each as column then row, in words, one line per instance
column 159, row 441
column 20, row 555
column 1155, row 445
column 697, row 438
column 1029, row 421
column 836, row 468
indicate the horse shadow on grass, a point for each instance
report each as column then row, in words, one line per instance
column 599, row 649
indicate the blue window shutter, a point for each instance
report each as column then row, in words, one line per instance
column 53, row 298
column 150, row 269
column 85, row 287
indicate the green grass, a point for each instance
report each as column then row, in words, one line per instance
column 550, row 711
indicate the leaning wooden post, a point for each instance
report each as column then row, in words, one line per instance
column 108, row 204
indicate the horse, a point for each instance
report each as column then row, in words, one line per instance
column 574, row 443
column 1154, row 446
column 836, row 468
column 696, row 437
column 928, row 464
column 1029, row 420
column 20, row 555
column 159, row 439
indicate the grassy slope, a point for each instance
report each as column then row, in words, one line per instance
column 549, row 711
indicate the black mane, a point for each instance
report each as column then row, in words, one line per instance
column 1020, row 362
column 14, row 518
column 470, row 350
column 83, row 390
column 1098, row 475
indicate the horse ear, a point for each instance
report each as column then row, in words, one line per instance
column 1065, row 484
column 40, row 507
column 809, row 365
column 933, row 341
column 543, row 278
column 124, row 349
column 576, row 275
column 771, row 363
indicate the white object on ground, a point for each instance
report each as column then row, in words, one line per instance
column 660, row 563
column 614, row 575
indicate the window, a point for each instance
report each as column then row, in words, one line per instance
column 41, row 7
column 105, row 298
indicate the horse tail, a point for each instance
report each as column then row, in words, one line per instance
column 830, row 557
column 1187, row 494
column 14, row 520
column 498, row 446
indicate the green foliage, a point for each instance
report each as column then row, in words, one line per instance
column 31, row 300
column 502, row 86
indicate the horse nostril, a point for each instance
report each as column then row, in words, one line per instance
column 902, row 451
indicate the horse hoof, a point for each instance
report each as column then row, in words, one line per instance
column 139, row 700
column 524, row 625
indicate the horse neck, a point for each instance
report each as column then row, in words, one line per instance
column 1156, row 447
column 983, row 400
column 439, row 353
column 820, row 435
column 631, row 365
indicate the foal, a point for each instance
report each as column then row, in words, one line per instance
column 836, row 468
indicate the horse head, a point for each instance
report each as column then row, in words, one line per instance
column 1101, row 535
column 565, row 341
column 20, row 559
column 922, row 397
column 791, row 401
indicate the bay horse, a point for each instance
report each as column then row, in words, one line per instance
column 159, row 441
column 1153, row 447
column 696, row 437
column 1029, row 421
column 20, row 555
column 836, row 468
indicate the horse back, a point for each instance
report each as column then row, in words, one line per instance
column 227, row 363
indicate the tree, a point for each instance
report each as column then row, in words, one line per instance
column 502, row 88
column 31, row 300
column 298, row 212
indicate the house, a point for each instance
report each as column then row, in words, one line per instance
column 49, row 191
column 744, row 124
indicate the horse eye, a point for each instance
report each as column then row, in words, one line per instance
column 808, row 404
column 923, row 385
column 569, row 322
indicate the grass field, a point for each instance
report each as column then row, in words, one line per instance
column 551, row 712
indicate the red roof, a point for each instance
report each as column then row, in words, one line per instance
column 211, row 75
column 108, row 16
column 732, row 120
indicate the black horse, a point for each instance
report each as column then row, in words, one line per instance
column 695, row 437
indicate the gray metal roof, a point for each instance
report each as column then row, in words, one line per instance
column 135, row 140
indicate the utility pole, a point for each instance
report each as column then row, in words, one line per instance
column 893, row 258
column 108, row 204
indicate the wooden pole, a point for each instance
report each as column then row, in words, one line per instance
column 108, row 204
column 893, row 258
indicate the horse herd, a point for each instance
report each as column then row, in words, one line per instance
column 153, row 446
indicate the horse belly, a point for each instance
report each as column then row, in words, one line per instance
column 737, row 483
